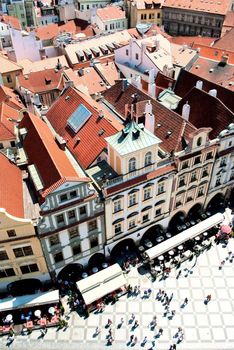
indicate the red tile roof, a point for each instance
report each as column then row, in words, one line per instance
column 6, row 126
column 46, row 80
column 209, row 112
column 165, row 119
column 226, row 42
column 211, row 6
column 229, row 20
column 87, row 144
column 186, row 81
column 137, row 180
column 191, row 40
column 213, row 71
column 109, row 13
column 13, row 21
column 43, row 151
column 11, row 187
column 8, row 96
column 75, row 26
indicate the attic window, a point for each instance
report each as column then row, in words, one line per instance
column 78, row 118
column 101, row 132
column 47, row 80
column 169, row 133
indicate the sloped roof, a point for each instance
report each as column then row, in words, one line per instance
column 211, row 6
column 209, row 112
column 48, row 63
column 110, row 13
column 8, row 96
column 6, row 126
column 108, row 70
column 7, row 65
column 132, row 138
column 11, row 187
column 13, row 21
column 44, row 80
column 89, row 141
column 165, row 119
column 226, row 42
column 43, row 151
column 186, row 81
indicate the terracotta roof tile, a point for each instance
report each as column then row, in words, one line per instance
column 226, row 42
column 229, row 20
column 8, row 96
column 209, row 112
column 211, row 6
column 109, row 13
column 45, row 80
column 43, row 151
column 7, row 65
column 165, row 119
column 87, row 144
column 192, row 40
column 13, row 21
column 108, row 71
column 6, row 126
column 11, row 187
column 186, row 81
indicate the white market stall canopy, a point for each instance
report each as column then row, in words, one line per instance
column 101, row 283
column 184, row 236
column 29, row 300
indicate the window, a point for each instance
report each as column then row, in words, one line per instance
column 199, row 141
column 82, row 210
column 29, row 268
column 117, row 205
column 158, row 212
column 185, row 165
column 58, row 257
column 197, row 160
column 106, row 28
column 71, row 215
column 73, row 194
column 118, row 228
column 132, row 199
column 131, row 224
column 127, row 52
column 60, row 219
column 189, row 198
column 12, row 143
column 92, row 225
column 73, row 232
column 132, row 164
column 93, row 242
column 7, row 272
column 232, row 175
column 52, row 96
column 142, row 16
column 181, row 181
column 24, row 251
column 145, row 217
column 9, row 79
column 87, row 7
column 54, row 240
column 218, row 181
column 194, row 176
column 229, row 143
column 209, row 155
column 1, row 146
column 148, row 158
column 63, row 197
column 200, row 192
column 11, row 233
column 76, row 249
column 223, row 161
column 3, row 255
column 158, row 15
column 205, row 171
column 160, row 188
column 137, row 56
column 147, row 193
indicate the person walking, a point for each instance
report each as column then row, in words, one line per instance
column 136, row 324
column 185, row 301
column 208, row 297
column 144, row 341
column 131, row 338
column 97, row 330
column 133, row 317
column 135, row 341
column 160, row 331
column 109, row 322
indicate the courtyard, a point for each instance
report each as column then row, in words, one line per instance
column 205, row 327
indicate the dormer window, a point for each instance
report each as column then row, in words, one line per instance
column 132, row 164
column 199, row 142
column 148, row 158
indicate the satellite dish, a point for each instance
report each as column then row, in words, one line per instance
column 143, row 27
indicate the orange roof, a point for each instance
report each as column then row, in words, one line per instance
column 43, row 151
column 6, row 126
column 74, row 26
column 11, row 187
column 215, row 53
column 12, row 21
column 88, row 143
column 45, row 80
column 7, row 95
column 229, row 19
column 110, row 13
column 211, row 6
column 191, row 40
column 226, row 42
column 108, row 71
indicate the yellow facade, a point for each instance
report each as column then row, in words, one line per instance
column 9, row 78
column 153, row 15
column 21, row 254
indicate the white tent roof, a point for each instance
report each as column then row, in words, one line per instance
column 101, row 283
column 182, row 237
column 29, row 300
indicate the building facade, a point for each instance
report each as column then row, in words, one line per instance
column 144, row 12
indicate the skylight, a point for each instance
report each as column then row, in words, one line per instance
column 78, row 118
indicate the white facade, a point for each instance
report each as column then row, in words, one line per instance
column 48, row 19
column 84, row 5
column 5, row 37
column 72, row 226
column 108, row 25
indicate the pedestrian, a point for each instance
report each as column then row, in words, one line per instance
column 136, row 324
column 135, row 340
column 160, row 331
column 121, row 320
column 208, row 297
column 185, row 301
column 110, row 340
column 174, row 346
column 131, row 338
column 144, row 341
column 109, row 322
column 97, row 330
column 173, row 312
column 139, row 290
column 110, row 332
column 133, row 317
column 135, row 290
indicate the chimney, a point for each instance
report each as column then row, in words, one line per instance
column 186, row 111
column 213, row 92
column 152, row 90
column 149, row 117
column 124, row 84
column 143, row 47
column 151, row 75
column 199, row 84
column 223, row 61
column 68, row 83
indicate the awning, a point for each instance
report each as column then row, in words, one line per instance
column 29, row 300
column 184, row 236
column 101, row 283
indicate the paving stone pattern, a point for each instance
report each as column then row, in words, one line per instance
column 205, row 327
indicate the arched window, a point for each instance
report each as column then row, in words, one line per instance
column 148, row 158
column 199, row 141
column 132, row 164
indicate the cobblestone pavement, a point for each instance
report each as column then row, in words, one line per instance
column 206, row 327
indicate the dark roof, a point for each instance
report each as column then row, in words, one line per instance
column 209, row 112
column 165, row 119
column 186, row 81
